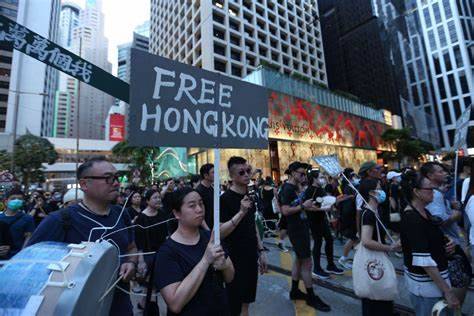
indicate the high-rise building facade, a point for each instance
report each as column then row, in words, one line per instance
column 8, row 8
column 89, row 42
column 234, row 37
column 32, row 83
column 357, row 57
column 66, row 94
column 433, row 49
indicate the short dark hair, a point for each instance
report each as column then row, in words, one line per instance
column 178, row 197
column 205, row 169
column 14, row 191
column 194, row 178
column 83, row 168
column 428, row 168
column 236, row 160
column 149, row 194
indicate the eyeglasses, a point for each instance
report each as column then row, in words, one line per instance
column 110, row 179
column 248, row 171
column 301, row 173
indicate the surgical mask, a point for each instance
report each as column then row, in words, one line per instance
column 381, row 196
column 355, row 181
column 322, row 181
column 15, row 205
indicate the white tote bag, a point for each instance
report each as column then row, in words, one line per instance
column 275, row 205
column 373, row 274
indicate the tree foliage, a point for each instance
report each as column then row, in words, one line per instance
column 405, row 145
column 30, row 154
column 5, row 160
column 141, row 158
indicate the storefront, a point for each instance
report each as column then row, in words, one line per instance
column 301, row 127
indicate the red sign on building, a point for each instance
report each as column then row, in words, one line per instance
column 117, row 127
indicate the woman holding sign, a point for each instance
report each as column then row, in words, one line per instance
column 190, row 269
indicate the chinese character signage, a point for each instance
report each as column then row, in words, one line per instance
column 173, row 104
column 40, row 48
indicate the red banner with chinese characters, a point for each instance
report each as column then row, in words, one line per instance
column 295, row 119
column 117, row 127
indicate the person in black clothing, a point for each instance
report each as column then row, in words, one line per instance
column 167, row 201
column 425, row 248
column 150, row 239
column 5, row 240
column 293, row 205
column 190, row 270
column 206, row 191
column 348, row 214
column 267, row 193
column 39, row 210
column 240, row 237
column 371, row 229
column 319, row 227
column 134, row 206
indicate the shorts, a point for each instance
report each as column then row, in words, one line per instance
column 301, row 241
column 243, row 288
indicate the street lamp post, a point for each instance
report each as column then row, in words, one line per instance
column 15, row 119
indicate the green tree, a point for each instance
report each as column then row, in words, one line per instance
column 30, row 154
column 5, row 160
column 141, row 158
column 405, row 145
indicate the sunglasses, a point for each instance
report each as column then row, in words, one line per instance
column 110, row 179
column 243, row 172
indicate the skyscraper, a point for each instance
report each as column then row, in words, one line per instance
column 34, row 82
column 89, row 42
column 9, row 9
column 234, row 39
column 66, row 95
column 357, row 57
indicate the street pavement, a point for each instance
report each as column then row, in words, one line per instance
column 273, row 288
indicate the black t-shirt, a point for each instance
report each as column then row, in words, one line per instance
column 175, row 261
column 5, row 236
column 207, row 195
column 132, row 212
column 152, row 238
column 168, row 202
column 313, row 193
column 289, row 196
column 423, row 238
column 368, row 218
column 243, row 239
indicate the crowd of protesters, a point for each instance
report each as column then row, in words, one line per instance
column 429, row 219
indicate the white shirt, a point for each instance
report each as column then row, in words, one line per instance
column 465, row 188
column 470, row 214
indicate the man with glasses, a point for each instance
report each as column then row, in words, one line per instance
column 240, row 237
column 294, row 205
column 99, row 181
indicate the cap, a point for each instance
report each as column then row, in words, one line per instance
column 393, row 174
column 366, row 166
column 70, row 195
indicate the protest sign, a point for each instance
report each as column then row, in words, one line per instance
column 174, row 104
column 462, row 126
column 40, row 48
column 330, row 164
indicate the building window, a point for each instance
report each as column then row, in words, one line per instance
column 447, row 9
column 446, row 113
column 437, row 64
column 432, row 40
column 457, row 56
column 464, row 85
column 442, row 36
column 4, row 97
column 452, row 32
column 436, row 13
column 3, row 110
column 441, row 88
column 447, row 61
column 452, row 85
column 457, row 109
column 426, row 13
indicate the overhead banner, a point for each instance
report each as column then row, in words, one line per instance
column 174, row 104
column 40, row 48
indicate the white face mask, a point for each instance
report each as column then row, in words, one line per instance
column 322, row 181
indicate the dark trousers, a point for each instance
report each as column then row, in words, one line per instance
column 376, row 308
column 320, row 230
